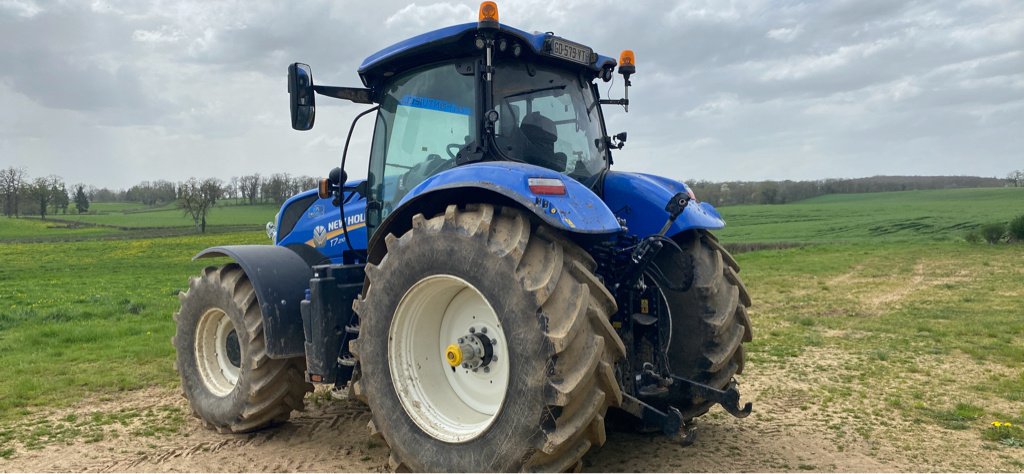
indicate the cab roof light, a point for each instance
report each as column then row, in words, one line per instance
column 488, row 14
column 547, row 186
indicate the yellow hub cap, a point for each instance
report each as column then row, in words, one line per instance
column 453, row 354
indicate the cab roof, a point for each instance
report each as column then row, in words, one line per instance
column 448, row 43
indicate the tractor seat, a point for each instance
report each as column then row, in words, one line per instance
column 540, row 135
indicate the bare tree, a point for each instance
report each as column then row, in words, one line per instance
column 59, row 195
column 249, row 187
column 12, row 184
column 232, row 188
column 1016, row 178
column 276, row 187
column 196, row 198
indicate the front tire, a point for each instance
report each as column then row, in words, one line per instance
column 548, row 316
column 709, row 319
column 229, row 381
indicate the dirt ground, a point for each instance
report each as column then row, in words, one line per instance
column 791, row 429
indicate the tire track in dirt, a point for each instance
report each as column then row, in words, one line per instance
column 331, row 437
column 789, row 430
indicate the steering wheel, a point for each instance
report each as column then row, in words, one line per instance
column 434, row 164
column 449, row 148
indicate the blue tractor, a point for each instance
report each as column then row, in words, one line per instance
column 493, row 291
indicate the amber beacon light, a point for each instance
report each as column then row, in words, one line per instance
column 488, row 12
column 627, row 62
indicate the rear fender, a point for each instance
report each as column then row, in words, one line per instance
column 640, row 199
column 579, row 211
column 280, row 278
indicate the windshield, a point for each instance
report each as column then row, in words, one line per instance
column 548, row 117
column 425, row 117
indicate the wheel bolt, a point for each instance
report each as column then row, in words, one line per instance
column 465, row 365
column 487, row 369
column 494, row 341
column 494, row 358
column 474, row 370
column 461, row 340
column 483, row 330
column 473, row 330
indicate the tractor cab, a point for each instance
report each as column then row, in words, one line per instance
column 479, row 92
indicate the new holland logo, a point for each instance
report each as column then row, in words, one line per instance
column 319, row 236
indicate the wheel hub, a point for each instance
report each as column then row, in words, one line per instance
column 473, row 351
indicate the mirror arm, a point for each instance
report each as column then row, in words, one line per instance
column 354, row 94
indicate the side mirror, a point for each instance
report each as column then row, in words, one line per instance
column 300, row 90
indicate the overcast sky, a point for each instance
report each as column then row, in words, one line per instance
column 113, row 93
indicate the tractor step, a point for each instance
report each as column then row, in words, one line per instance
column 326, row 312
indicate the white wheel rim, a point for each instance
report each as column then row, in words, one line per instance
column 216, row 369
column 454, row 405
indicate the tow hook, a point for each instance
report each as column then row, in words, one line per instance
column 728, row 398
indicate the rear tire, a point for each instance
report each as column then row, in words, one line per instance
column 550, row 316
column 709, row 319
column 229, row 381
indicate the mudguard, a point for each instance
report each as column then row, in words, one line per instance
column 280, row 278
column 578, row 211
column 640, row 199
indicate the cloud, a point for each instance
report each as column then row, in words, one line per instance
column 784, row 35
column 427, row 17
column 117, row 91
column 21, row 8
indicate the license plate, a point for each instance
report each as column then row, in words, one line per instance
column 575, row 52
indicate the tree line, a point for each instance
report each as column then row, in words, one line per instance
column 46, row 196
column 250, row 189
column 781, row 192
column 41, row 196
column 50, row 195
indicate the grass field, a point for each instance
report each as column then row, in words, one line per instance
column 91, row 316
column 895, row 319
column 911, row 216
column 131, row 220
column 134, row 216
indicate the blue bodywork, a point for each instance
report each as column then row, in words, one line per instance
column 579, row 210
column 640, row 199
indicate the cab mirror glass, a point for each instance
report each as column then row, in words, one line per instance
column 300, row 91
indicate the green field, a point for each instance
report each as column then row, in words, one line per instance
column 133, row 216
column 131, row 220
column 910, row 216
column 917, row 326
